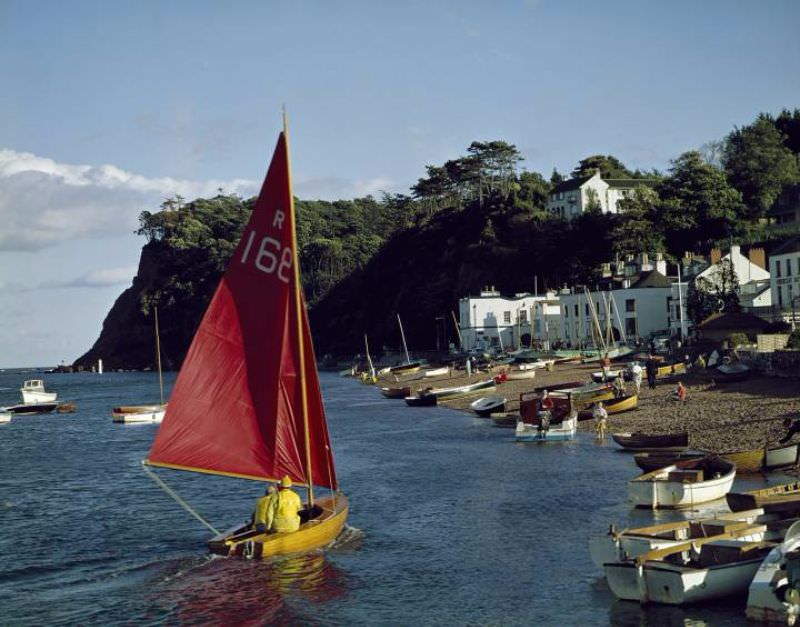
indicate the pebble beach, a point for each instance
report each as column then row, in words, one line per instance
column 719, row 418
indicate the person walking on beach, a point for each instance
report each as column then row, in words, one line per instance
column 651, row 368
column 619, row 386
column 600, row 416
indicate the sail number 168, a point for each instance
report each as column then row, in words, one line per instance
column 270, row 257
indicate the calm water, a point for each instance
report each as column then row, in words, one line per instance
column 451, row 523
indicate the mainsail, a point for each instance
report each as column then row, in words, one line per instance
column 237, row 405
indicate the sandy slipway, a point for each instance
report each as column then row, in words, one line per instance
column 721, row 418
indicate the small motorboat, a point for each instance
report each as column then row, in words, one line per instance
column 774, row 593
column 537, row 425
column 489, row 405
column 33, row 392
column 32, row 408
column 643, row 442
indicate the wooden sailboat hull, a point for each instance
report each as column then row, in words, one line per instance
column 775, row 498
column 315, row 534
column 400, row 393
column 613, row 406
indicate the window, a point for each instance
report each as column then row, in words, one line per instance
column 523, row 315
column 798, row 265
column 566, row 311
column 788, row 267
column 507, row 317
column 777, row 269
column 630, row 304
column 576, row 304
column 780, row 296
column 631, row 327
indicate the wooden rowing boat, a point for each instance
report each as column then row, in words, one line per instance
column 775, row 498
column 764, row 459
column 431, row 396
column 683, row 484
column 489, row 405
column 400, row 392
column 652, row 442
column 655, row 460
column 613, row 406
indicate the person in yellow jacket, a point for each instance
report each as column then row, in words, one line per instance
column 278, row 511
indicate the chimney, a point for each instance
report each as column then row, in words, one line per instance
column 758, row 257
column 716, row 255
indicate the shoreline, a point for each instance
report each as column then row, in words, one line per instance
column 719, row 418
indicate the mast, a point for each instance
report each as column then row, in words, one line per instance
column 458, row 330
column 299, row 319
column 369, row 359
column 158, row 357
column 403, row 336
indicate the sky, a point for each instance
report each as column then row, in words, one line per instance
column 109, row 108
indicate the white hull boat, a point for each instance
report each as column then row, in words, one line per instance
column 5, row 417
column 781, row 457
column 619, row 546
column 436, row 372
column 147, row 416
column 520, row 375
column 773, row 595
column 683, row 484
column 564, row 430
column 33, row 393
column 723, row 567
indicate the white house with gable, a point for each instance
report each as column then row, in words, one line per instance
column 571, row 198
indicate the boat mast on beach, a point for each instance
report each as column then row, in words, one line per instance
column 247, row 401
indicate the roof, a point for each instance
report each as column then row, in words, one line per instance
column 740, row 320
column 651, row 278
column 571, row 184
column 791, row 245
column 630, row 183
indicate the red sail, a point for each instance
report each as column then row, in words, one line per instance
column 236, row 408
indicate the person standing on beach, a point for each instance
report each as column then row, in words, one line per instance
column 636, row 376
column 605, row 364
column 469, row 366
column 651, row 368
column 600, row 416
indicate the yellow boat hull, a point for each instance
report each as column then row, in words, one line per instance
column 585, row 400
column 746, row 461
column 625, row 404
column 314, row 534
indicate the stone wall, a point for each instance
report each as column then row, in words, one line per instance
column 780, row 363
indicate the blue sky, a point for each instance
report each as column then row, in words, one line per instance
column 107, row 108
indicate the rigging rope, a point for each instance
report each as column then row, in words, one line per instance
column 177, row 498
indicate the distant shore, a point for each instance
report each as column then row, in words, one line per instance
column 721, row 418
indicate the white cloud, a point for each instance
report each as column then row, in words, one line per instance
column 104, row 277
column 43, row 202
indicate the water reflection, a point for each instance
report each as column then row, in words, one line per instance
column 631, row 614
column 244, row 592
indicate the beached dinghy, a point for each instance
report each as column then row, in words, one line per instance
column 431, row 396
column 774, row 593
column 692, row 572
column 489, row 405
column 400, row 392
column 644, row 442
column 764, row 459
column 5, row 417
column 247, row 401
column 655, row 460
column 683, row 484
column 613, row 406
